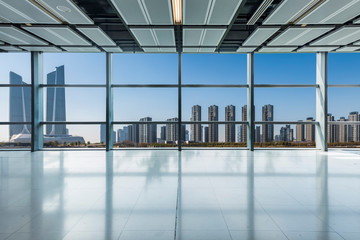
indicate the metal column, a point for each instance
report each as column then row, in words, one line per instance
column 36, row 101
column 250, row 102
column 109, row 102
column 179, row 104
column 321, row 101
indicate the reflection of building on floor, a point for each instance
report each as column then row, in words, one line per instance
column 20, row 110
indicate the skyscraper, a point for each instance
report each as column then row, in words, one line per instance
column 257, row 134
column 55, row 102
column 196, row 135
column 123, row 134
column 286, row 134
column 244, row 126
column 20, row 106
column 343, row 131
column 206, row 134
column 103, row 134
column 213, row 127
column 172, row 131
column 134, row 133
column 230, row 128
column 354, row 128
column 268, row 129
column 300, row 132
column 147, row 132
column 310, row 130
column 163, row 133
column 331, row 129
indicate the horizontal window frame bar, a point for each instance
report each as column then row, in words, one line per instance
column 286, row 85
column 286, row 122
column 344, row 122
column 74, row 123
column 138, row 122
column 215, row 122
column 215, row 86
column 344, row 85
column 144, row 85
column 15, row 85
column 73, row 85
column 15, row 123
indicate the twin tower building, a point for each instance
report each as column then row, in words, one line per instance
column 20, row 106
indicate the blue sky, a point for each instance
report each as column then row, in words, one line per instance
column 160, row 104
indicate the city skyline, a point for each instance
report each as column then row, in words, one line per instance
column 83, row 68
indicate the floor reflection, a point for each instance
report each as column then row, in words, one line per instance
column 180, row 195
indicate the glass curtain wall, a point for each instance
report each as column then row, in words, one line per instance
column 15, row 101
column 343, row 127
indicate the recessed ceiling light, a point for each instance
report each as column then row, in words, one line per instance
column 63, row 9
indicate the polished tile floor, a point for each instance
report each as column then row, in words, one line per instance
column 196, row 194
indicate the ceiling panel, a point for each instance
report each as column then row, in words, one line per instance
column 245, row 49
column 286, row 11
column 16, row 36
column 342, row 36
column 259, row 36
column 159, row 50
column 202, row 37
column 348, row 49
column 154, row 37
column 82, row 49
column 196, row 12
column 113, row 49
column 298, row 36
column 209, row 12
column 144, row 12
column 316, row 49
column 42, row 49
column 97, row 35
column 23, row 11
column 333, row 12
column 66, row 10
column 197, row 50
column 63, row 36
column 10, row 48
column 276, row 50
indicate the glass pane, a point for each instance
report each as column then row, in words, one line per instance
column 15, row 104
column 145, row 68
column 15, row 68
column 15, row 136
column 343, row 107
column 283, row 136
column 214, row 69
column 212, row 100
column 74, row 104
column 284, row 104
column 343, row 68
column 147, row 135
column 74, row 68
column 133, row 104
column 75, row 136
column 285, row 68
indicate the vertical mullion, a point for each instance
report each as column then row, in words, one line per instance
column 321, row 100
column 179, row 104
column 36, row 101
column 250, row 102
column 109, row 102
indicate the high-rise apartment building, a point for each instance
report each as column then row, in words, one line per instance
column 244, row 126
column 268, row 129
column 230, row 128
column 20, row 106
column 213, row 113
column 257, row 134
column 206, row 134
column 133, row 133
column 123, row 134
column 354, row 128
column 300, row 132
column 310, row 130
column 343, row 131
column 147, row 132
column 163, row 133
column 332, row 130
column 196, row 129
column 103, row 134
column 172, row 131
column 286, row 134
column 55, row 102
